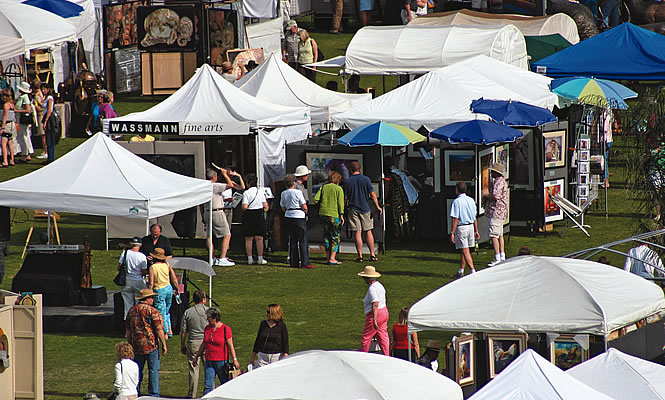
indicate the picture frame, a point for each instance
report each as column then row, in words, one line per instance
column 583, row 167
column 501, row 156
column 502, row 349
column 582, row 191
column 566, row 353
column 120, row 26
column 584, row 179
column 585, row 155
column 221, row 34
column 585, row 144
column 581, row 201
column 552, row 211
column 322, row 163
column 465, row 360
column 240, row 57
column 485, row 161
column 554, row 152
column 166, row 27
column 521, row 171
column 459, row 166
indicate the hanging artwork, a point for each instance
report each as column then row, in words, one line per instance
column 460, row 166
column 240, row 57
column 501, row 157
column 485, row 161
column 503, row 349
column 321, row 164
column 465, row 356
column 168, row 28
column 4, row 351
column 520, row 153
column 552, row 211
column 120, row 25
column 221, row 34
column 566, row 353
column 555, row 149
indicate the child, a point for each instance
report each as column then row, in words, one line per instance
column 126, row 373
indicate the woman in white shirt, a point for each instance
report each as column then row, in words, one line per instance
column 294, row 207
column 376, row 312
column 126, row 373
column 254, row 204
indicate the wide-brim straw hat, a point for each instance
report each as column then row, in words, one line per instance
column 145, row 293
column 24, row 87
column 158, row 254
column 497, row 167
column 369, row 272
column 433, row 345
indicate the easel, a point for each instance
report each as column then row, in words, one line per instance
column 41, row 214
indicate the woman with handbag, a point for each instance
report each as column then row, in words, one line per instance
column 24, row 110
column 162, row 277
column 272, row 341
column 217, row 342
column 331, row 214
column 254, row 205
column 135, row 268
column 126, row 373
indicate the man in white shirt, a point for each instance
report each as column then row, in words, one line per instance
column 644, row 262
column 137, row 268
column 464, row 230
column 221, row 230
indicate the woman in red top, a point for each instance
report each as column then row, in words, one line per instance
column 399, row 340
column 217, row 341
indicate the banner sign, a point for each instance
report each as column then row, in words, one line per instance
column 178, row 128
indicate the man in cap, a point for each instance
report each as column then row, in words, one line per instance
column 137, row 267
column 302, row 175
column 291, row 44
column 429, row 358
column 496, row 210
column 194, row 322
column 464, row 229
column 144, row 324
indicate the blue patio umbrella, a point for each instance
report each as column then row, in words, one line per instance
column 476, row 131
column 62, row 8
column 513, row 113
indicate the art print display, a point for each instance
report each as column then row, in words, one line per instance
column 221, row 34
column 582, row 201
column 585, row 155
column 240, row 57
column 583, row 167
column 168, row 28
column 584, row 179
column 566, row 353
column 465, row 359
column 321, row 164
column 555, row 149
column 521, row 173
column 120, row 25
column 585, row 144
column 583, row 191
column 552, row 211
column 501, row 157
column 460, row 166
column 485, row 161
column 503, row 349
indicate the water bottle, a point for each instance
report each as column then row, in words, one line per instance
column 177, row 299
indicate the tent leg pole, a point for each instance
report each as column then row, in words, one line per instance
column 605, row 341
column 259, row 173
column 106, row 233
column 383, row 205
column 210, row 249
column 147, row 226
column 48, row 225
column 408, row 336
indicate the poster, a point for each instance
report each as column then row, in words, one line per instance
column 166, row 28
column 240, row 57
column 120, row 25
column 221, row 34
column 552, row 211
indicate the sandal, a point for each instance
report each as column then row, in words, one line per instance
column 334, row 263
column 373, row 258
column 359, row 259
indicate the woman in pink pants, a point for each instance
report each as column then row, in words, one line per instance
column 376, row 312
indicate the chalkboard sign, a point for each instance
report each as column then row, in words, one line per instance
column 127, row 70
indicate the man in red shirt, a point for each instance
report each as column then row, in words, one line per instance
column 143, row 325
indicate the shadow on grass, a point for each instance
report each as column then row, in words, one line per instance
column 73, row 395
column 414, row 273
column 429, row 258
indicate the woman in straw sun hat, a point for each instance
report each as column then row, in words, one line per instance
column 496, row 210
column 376, row 312
column 162, row 277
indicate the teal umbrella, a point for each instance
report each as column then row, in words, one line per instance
column 381, row 133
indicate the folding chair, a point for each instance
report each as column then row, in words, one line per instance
column 572, row 212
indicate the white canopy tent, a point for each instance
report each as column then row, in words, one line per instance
column 209, row 105
column 529, row 26
column 532, row 377
column 444, row 96
column 339, row 375
column 621, row 376
column 276, row 82
column 390, row 50
column 539, row 294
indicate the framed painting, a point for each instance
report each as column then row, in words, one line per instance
column 221, row 34
column 240, row 57
column 321, row 164
column 521, row 172
column 582, row 201
column 583, row 191
column 583, row 167
column 460, row 166
column 585, row 144
column 120, row 25
column 166, row 28
column 503, row 349
column 465, row 359
column 584, row 179
column 552, row 211
column 555, row 149
column 485, row 161
column 501, row 157
column 585, row 155
column 566, row 353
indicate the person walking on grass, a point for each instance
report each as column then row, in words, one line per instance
column 376, row 312
column 358, row 190
column 331, row 214
column 464, row 228
column 137, row 267
column 255, row 205
column 126, row 373
column 194, row 321
column 496, row 210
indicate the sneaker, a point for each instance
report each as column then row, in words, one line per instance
column 225, row 262
column 493, row 263
column 458, row 275
column 309, row 266
column 261, row 261
column 473, row 271
column 42, row 156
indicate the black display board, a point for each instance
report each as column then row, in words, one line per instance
column 166, row 28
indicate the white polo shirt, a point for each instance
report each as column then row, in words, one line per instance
column 375, row 292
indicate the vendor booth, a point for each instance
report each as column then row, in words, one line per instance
column 566, row 310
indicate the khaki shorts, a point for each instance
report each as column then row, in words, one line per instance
column 464, row 237
column 361, row 221
column 10, row 130
column 495, row 226
column 220, row 226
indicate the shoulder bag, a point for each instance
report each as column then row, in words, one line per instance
column 230, row 370
column 121, row 278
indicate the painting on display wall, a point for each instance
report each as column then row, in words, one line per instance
column 552, row 211
column 501, row 157
column 566, row 353
column 221, row 34
column 321, row 164
column 465, row 356
column 120, row 25
column 166, row 28
column 485, row 161
column 521, row 156
column 555, row 149
column 240, row 57
column 460, row 166
column 504, row 349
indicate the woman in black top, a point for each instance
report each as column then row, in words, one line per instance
column 272, row 341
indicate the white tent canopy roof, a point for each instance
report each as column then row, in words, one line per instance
column 539, row 294
column 100, row 177
column 339, row 375
column 621, row 376
column 444, row 96
column 529, row 26
column 531, row 377
column 388, row 50
column 37, row 28
column 274, row 81
column 208, row 98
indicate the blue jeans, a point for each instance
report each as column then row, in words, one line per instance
column 153, row 371
column 213, row 368
column 50, row 144
column 298, row 246
column 163, row 305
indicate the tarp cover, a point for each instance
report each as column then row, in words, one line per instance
column 274, row 81
column 623, row 52
column 531, row 377
column 386, row 50
column 529, row 26
column 339, row 375
column 207, row 97
column 444, row 96
column 100, row 177
column 621, row 376
column 539, row 294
